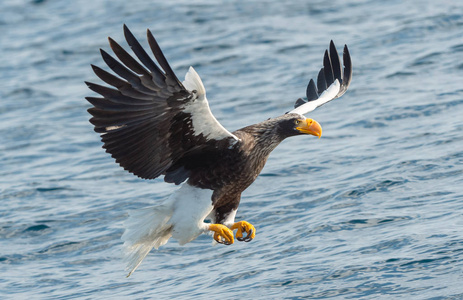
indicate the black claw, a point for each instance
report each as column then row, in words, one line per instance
column 247, row 238
column 223, row 242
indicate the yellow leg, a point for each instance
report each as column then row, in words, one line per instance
column 222, row 234
column 244, row 226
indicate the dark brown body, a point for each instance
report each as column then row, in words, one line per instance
column 232, row 170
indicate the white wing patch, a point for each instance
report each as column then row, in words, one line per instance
column 194, row 82
column 203, row 120
column 328, row 95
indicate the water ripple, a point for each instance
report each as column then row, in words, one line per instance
column 371, row 210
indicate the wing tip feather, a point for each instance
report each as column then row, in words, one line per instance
column 329, row 75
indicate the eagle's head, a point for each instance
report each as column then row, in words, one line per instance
column 270, row 133
column 295, row 124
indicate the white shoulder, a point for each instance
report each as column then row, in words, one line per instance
column 203, row 121
column 193, row 82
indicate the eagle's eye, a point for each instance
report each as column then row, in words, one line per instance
column 297, row 122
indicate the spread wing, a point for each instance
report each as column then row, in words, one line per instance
column 332, row 81
column 148, row 119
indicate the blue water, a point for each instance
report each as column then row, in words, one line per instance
column 372, row 210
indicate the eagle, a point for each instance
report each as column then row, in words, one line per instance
column 152, row 124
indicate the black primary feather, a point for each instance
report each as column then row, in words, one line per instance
column 312, row 92
column 141, row 116
column 331, row 71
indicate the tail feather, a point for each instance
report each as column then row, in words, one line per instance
column 145, row 229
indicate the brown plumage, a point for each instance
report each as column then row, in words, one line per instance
column 153, row 125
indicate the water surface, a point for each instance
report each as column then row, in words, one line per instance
column 373, row 209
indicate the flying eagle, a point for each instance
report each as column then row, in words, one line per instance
column 153, row 125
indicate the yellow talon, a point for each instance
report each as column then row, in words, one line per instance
column 244, row 226
column 223, row 234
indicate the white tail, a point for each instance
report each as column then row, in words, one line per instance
column 144, row 229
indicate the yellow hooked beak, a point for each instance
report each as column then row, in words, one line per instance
column 310, row 126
